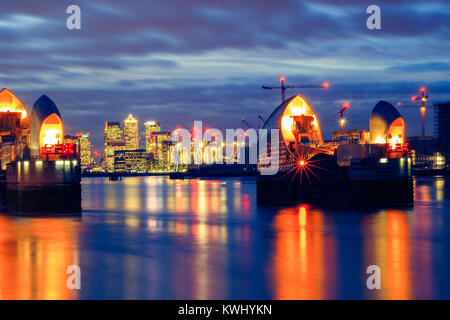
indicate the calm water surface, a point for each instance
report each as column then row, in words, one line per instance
column 155, row 238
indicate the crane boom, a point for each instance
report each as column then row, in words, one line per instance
column 283, row 87
column 246, row 123
column 422, row 98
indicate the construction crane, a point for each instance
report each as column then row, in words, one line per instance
column 262, row 119
column 249, row 126
column 283, row 87
column 422, row 98
column 341, row 115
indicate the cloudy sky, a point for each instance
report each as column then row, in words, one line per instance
column 177, row 61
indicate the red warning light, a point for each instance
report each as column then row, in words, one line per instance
column 413, row 98
column 282, row 79
column 68, row 148
column 325, row 85
column 422, row 89
column 49, row 148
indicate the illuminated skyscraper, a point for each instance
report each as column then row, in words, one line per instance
column 113, row 131
column 85, row 150
column 160, row 147
column 130, row 133
column 111, row 148
column 131, row 161
column 150, row 127
column 113, row 141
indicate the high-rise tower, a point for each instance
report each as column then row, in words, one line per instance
column 130, row 133
column 113, row 141
column 150, row 127
column 85, row 150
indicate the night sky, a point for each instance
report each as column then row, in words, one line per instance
column 177, row 61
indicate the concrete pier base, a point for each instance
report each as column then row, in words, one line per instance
column 44, row 200
column 367, row 183
column 42, row 188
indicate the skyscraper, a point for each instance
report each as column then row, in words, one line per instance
column 113, row 141
column 159, row 146
column 111, row 149
column 113, row 131
column 130, row 133
column 443, row 129
column 85, row 150
column 131, row 161
column 150, row 127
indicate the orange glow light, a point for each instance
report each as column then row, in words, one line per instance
column 287, row 123
column 394, row 141
column 52, row 131
column 302, row 216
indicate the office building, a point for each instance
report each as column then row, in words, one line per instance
column 131, row 133
column 150, row 127
column 133, row 161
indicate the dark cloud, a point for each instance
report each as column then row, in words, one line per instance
column 180, row 61
column 422, row 67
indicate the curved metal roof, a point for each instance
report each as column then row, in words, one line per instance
column 274, row 120
column 383, row 116
column 43, row 107
column 385, row 110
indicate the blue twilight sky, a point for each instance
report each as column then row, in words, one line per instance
column 177, row 61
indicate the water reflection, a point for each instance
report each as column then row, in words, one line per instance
column 304, row 255
column 156, row 238
column 34, row 256
column 321, row 254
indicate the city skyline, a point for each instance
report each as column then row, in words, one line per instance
column 214, row 153
column 211, row 63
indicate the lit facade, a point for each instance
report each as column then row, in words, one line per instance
column 85, row 150
column 70, row 139
column 160, row 146
column 47, row 132
column 14, row 127
column 150, row 127
column 131, row 161
column 112, row 142
column 112, row 132
column 386, row 124
column 110, row 149
column 52, row 131
column 131, row 133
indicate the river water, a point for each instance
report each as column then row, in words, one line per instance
column 156, row 238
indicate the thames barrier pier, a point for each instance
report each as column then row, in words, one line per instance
column 356, row 167
column 40, row 173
